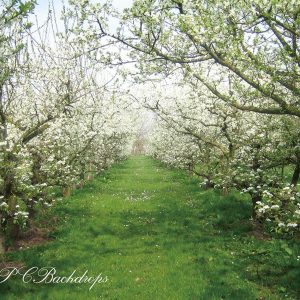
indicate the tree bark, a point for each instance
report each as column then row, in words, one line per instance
column 296, row 174
column 255, row 198
column 9, row 189
column 67, row 191
column 225, row 191
column 209, row 185
column 36, row 178
column 2, row 244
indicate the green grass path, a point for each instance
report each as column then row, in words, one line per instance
column 156, row 235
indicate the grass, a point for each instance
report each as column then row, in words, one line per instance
column 157, row 235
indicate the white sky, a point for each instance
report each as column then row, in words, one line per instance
column 43, row 5
column 41, row 12
column 42, row 9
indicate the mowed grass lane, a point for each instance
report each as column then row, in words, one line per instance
column 156, row 235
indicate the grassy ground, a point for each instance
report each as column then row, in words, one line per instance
column 157, row 235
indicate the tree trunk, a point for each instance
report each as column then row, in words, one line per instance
column 67, row 191
column 208, row 185
column 255, row 198
column 81, row 184
column 91, row 174
column 31, row 209
column 296, row 174
column 12, row 230
column 2, row 244
column 225, row 191
column 35, row 179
